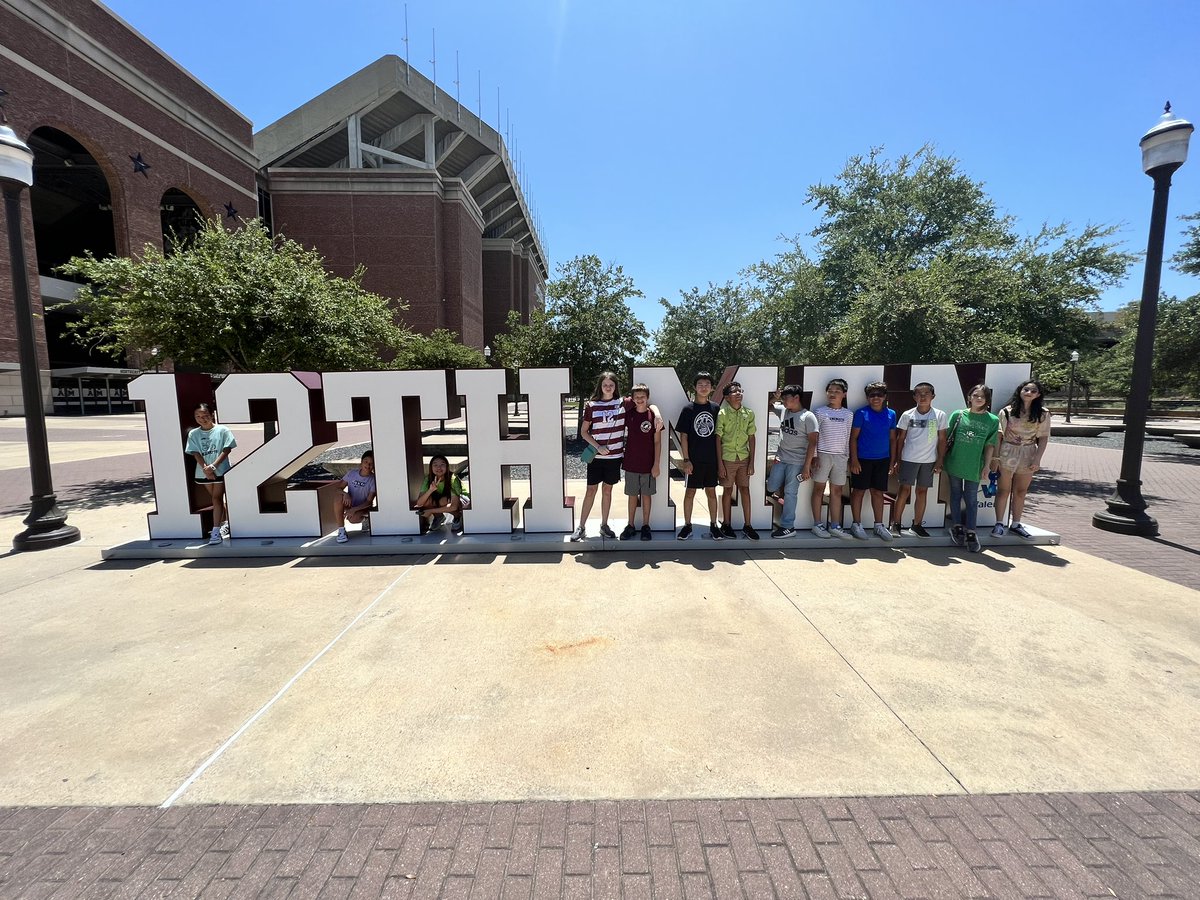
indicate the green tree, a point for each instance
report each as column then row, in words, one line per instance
column 914, row 264
column 1187, row 260
column 235, row 301
column 440, row 350
column 587, row 324
column 1176, row 369
column 1177, row 346
column 705, row 331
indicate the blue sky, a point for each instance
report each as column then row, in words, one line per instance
column 678, row 138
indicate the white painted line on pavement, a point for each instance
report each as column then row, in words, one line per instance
column 179, row 791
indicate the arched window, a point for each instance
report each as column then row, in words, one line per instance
column 72, row 214
column 71, row 201
column 181, row 220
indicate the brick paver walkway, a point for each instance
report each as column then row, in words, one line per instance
column 1047, row 845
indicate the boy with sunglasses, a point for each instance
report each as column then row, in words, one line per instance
column 872, row 455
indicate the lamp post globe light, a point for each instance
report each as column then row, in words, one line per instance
column 45, row 526
column 1071, row 384
column 1164, row 149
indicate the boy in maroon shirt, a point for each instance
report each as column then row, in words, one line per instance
column 643, row 440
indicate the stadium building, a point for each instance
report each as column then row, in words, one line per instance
column 384, row 170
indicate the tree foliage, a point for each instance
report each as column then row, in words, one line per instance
column 440, row 350
column 235, row 301
column 587, row 324
column 1176, row 368
column 915, row 264
column 705, row 331
column 1187, row 260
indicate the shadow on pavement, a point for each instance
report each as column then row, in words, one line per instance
column 122, row 565
column 107, row 492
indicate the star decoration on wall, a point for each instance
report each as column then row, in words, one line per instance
column 140, row 166
column 230, row 212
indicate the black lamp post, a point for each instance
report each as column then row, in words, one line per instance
column 45, row 526
column 1071, row 384
column 1164, row 149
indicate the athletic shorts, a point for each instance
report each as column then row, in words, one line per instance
column 874, row 475
column 736, row 472
column 704, row 475
column 920, row 474
column 1014, row 457
column 639, row 484
column 604, row 469
column 831, row 467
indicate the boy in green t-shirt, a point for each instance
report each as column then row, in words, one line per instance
column 735, row 457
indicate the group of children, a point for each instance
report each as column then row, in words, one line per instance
column 829, row 445
column 970, row 445
column 441, row 494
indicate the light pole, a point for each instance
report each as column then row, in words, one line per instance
column 154, row 353
column 1071, row 384
column 516, row 394
column 45, row 526
column 1164, row 149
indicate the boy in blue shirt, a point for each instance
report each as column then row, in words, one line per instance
column 872, row 455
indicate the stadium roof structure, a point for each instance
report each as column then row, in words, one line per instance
column 390, row 116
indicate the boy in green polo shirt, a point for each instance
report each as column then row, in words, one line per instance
column 735, row 457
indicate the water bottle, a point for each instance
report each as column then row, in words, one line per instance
column 989, row 489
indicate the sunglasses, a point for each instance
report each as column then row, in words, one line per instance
column 875, row 394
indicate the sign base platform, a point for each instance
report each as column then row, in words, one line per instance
column 444, row 541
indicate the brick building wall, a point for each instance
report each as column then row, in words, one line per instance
column 75, row 67
column 419, row 239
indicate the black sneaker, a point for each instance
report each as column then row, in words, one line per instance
column 646, row 535
column 606, row 532
column 715, row 533
column 919, row 530
column 958, row 535
column 780, row 532
column 749, row 532
column 684, row 533
column 728, row 531
column 628, row 533
column 973, row 544
column 897, row 530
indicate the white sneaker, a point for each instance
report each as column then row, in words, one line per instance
column 224, row 529
column 999, row 530
column 215, row 537
column 858, row 531
column 821, row 531
column 839, row 532
column 881, row 531
column 342, row 537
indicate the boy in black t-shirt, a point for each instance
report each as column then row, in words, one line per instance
column 697, row 430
